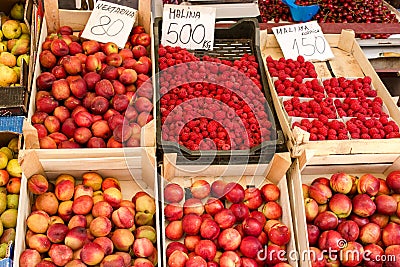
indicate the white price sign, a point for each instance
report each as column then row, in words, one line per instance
column 110, row 22
column 305, row 39
column 190, row 27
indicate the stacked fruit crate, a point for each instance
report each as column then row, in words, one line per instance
column 351, row 110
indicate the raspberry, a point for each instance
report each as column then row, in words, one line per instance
column 335, row 125
column 376, row 136
column 352, row 128
column 331, row 132
column 355, row 136
column 367, row 80
column 393, row 135
column 323, row 118
column 313, row 137
column 365, row 136
column 369, row 123
column 323, row 131
column 317, row 123
column 332, row 137
column 373, row 131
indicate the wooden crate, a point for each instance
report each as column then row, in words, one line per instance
column 304, row 172
column 53, row 19
column 250, row 175
column 136, row 175
column 349, row 61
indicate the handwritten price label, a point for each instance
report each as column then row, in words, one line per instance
column 110, row 22
column 305, row 39
column 189, row 27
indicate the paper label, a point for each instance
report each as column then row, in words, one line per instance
column 190, row 27
column 110, row 22
column 305, row 39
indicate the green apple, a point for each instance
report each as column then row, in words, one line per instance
column 11, row 29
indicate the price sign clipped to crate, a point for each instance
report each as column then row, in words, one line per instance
column 110, row 22
column 303, row 39
column 190, row 27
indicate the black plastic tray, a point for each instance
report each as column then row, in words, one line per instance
column 230, row 44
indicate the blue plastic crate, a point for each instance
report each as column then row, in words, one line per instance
column 12, row 124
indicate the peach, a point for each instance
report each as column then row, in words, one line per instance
column 391, row 234
column 200, row 189
column 363, row 205
column 39, row 242
column 370, row 233
column 126, row 256
column 77, row 254
column 174, row 230
column 93, row 180
column 311, row 209
column 368, row 184
column 13, row 186
column 65, row 210
column 82, row 205
column 193, row 205
column 76, row 238
column 106, row 244
column 98, row 197
column 102, row 208
column 352, row 254
column 146, row 231
column 123, row 218
column 341, row 183
column 110, row 182
column 143, row 218
column 75, row 263
column 77, row 220
column 173, row 193
column 112, row 261
column 142, row 262
column 89, row 218
column 63, row 177
column 64, row 190
column 128, row 204
column 92, row 254
column 38, row 221
column 46, row 263
column 100, row 226
column 47, row 202
column 341, row 205
column 142, row 247
column 83, row 190
column 60, row 254
column 122, row 239
column 320, row 193
column 178, row 258
column 38, row 184
column 113, row 196
column 393, row 252
column 29, row 258
column 57, row 232
column 229, row 239
column 385, row 205
column 380, row 219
